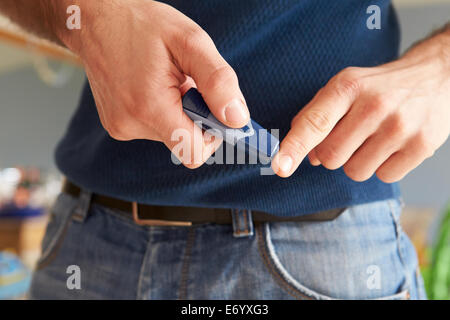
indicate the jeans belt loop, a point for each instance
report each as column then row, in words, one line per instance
column 82, row 209
column 242, row 223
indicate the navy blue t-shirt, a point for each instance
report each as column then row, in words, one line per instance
column 283, row 52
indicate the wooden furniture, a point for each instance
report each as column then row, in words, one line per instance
column 23, row 237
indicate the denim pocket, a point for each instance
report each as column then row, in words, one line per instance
column 59, row 221
column 337, row 259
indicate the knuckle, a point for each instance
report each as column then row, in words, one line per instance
column 350, row 72
column 424, row 145
column 193, row 38
column 221, row 77
column 375, row 109
column 329, row 157
column 116, row 129
column 346, row 84
column 295, row 120
column 117, row 135
column 398, row 125
column 378, row 105
column 385, row 177
column 355, row 173
column 318, row 121
column 295, row 146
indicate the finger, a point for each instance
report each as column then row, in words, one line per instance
column 396, row 167
column 187, row 141
column 197, row 56
column 212, row 143
column 186, row 85
column 400, row 163
column 190, row 144
column 390, row 137
column 349, row 134
column 314, row 123
column 313, row 158
column 375, row 150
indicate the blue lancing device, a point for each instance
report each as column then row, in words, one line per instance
column 253, row 137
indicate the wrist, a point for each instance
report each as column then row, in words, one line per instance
column 445, row 47
column 435, row 49
column 56, row 14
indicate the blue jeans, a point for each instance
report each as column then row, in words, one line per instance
column 362, row 254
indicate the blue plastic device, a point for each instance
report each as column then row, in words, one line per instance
column 253, row 137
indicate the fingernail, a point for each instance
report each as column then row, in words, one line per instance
column 235, row 112
column 285, row 163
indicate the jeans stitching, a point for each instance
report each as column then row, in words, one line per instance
column 56, row 243
column 56, row 246
column 421, row 293
column 182, row 291
column 398, row 234
column 82, row 209
column 139, row 293
column 278, row 277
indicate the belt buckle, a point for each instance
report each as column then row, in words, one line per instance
column 155, row 222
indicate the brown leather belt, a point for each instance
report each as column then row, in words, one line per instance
column 185, row 216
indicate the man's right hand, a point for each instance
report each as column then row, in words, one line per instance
column 139, row 56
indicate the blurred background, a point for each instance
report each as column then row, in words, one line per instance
column 39, row 90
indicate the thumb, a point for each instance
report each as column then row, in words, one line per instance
column 197, row 56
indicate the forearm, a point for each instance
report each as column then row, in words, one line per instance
column 44, row 18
